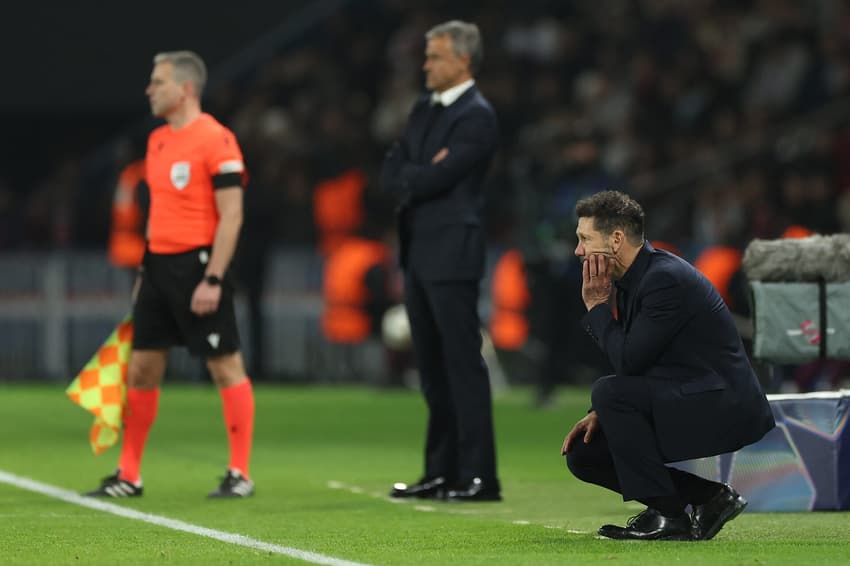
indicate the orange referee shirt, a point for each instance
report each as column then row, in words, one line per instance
column 182, row 168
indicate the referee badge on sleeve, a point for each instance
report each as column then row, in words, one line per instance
column 180, row 174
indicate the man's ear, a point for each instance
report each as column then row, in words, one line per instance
column 617, row 240
column 188, row 88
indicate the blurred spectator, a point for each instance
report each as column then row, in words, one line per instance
column 679, row 103
column 664, row 88
column 129, row 217
column 338, row 209
column 359, row 285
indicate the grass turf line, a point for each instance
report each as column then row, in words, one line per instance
column 309, row 436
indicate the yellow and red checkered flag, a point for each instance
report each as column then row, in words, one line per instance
column 101, row 387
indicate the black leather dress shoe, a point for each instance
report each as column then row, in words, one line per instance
column 651, row 525
column 476, row 490
column 710, row 517
column 426, row 488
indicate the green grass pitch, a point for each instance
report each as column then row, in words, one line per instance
column 324, row 459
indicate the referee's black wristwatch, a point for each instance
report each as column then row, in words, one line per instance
column 213, row 280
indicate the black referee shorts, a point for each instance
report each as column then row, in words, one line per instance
column 162, row 315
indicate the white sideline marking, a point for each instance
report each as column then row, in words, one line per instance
column 174, row 524
column 336, row 484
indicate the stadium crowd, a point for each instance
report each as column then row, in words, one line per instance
column 729, row 119
column 733, row 111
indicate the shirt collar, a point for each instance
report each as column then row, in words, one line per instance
column 448, row 97
column 638, row 267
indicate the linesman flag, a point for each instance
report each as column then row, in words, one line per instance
column 101, row 387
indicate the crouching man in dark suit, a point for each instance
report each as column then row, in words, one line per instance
column 436, row 172
column 683, row 386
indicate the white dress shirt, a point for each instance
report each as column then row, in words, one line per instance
column 449, row 96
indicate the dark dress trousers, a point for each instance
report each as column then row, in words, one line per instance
column 683, row 387
column 442, row 252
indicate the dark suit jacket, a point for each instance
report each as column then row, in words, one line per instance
column 674, row 329
column 440, row 204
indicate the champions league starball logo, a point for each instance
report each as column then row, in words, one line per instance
column 811, row 332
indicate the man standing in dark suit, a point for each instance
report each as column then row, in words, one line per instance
column 683, row 386
column 436, row 171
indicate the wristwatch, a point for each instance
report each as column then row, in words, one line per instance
column 213, row 280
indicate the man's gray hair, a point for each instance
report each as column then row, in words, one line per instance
column 188, row 66
column 466, row 40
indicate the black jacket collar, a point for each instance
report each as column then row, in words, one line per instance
column 636, row 270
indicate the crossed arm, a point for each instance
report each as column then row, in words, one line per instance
column 474, row 138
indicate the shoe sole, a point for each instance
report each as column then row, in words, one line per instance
column 485, row 499
column 210, row 496
column 460, row 500
column 740, row 505
column 396, row 495
column 108, row 496
column 684, row 537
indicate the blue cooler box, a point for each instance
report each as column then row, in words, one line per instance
column 801, row 465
